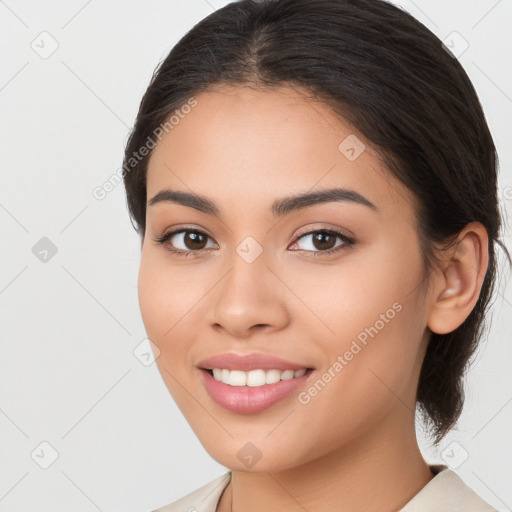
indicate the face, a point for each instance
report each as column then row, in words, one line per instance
column 332, row 286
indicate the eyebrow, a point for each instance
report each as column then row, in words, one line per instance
column 279, row 208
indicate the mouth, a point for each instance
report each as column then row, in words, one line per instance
column 255, row 378
column 250, row 383
column 254, row 391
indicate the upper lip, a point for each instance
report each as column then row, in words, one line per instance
column 248, row 362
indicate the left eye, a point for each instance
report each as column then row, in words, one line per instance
column 322, row 241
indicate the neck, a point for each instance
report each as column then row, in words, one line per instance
column 380, row 471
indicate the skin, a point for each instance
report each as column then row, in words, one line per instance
column 244, row 148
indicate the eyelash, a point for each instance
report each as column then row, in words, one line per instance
column 166, row 236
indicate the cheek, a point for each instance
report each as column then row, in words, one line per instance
column 370, row 314
column 163, row 310
column 152, row 300
column 361, row 382
column 339, row 302
column 170, row 300
column 166, row 295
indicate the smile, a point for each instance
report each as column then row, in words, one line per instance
column 254, row 378
column 253, row 396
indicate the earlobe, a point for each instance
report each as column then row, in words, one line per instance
column 461, row 280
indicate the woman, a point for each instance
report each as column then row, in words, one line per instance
column 314, row 184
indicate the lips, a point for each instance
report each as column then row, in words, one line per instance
column 248, row 362
column 245, row 399
column 251, row 400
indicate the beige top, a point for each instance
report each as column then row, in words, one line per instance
column 446, row 492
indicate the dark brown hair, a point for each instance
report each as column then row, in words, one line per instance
column 389, row 76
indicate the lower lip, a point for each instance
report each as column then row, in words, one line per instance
column 249, row 400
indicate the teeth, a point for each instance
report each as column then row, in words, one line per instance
column 254, row 378
column 287, row 375
column 272, row 376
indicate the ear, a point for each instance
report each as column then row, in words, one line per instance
column 458, row 286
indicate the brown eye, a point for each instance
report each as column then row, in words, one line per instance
column 187, row 241
column 194, row 241
column 324, row 241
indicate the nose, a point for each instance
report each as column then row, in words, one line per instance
column 249, row 299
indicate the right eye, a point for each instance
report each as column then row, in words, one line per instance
column 192, row 241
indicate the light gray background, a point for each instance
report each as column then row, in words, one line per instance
column 69, row 326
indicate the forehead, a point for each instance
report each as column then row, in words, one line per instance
column 247, row 144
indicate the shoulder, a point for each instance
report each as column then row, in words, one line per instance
column 203, row 499
column 446, row 492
